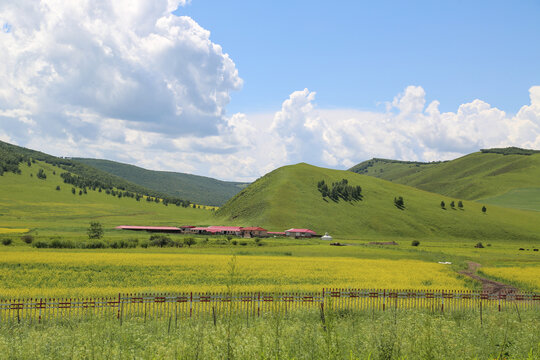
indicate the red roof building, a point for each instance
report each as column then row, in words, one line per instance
column 167, row 229
column 298, row 233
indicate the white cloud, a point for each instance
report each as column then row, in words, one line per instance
column 126, row 60
column 129, row 81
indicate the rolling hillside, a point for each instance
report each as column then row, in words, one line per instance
column 49, row 207
column 493, row 176
column 14, row 158
column 198, row 189
column 289, row 197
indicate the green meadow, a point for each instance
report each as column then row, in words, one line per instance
column 289, row 197
column 29, row 202
column 475, row 176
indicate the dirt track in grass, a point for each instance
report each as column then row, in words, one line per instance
column 488, row 286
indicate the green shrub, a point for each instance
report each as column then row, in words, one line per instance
column 27, row 238
column 7, row 241
column 97, row 244
column 160, row 240
column 61, row 244
column 243, row 243
column 40, row 244
column 189, row 241
column 234, row 242
column 415, row 243
column 124, row 244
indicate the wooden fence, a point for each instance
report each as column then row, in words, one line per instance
column 182, row 305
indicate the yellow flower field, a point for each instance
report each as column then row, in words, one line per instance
column 526, row 275
column 14, row 231
column 75, row 274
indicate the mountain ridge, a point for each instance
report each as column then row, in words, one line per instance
column 199, row 189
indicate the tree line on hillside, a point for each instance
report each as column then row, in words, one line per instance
column 79, row 175
column 340, row 190
column 94, row 185
column 510, row 151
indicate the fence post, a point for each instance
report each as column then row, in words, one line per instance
column 442, row 304
column 384, row 300
column 191, row 304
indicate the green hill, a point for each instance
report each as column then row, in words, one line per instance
column 13, row 158
column 49, row 207
column 198, row 189
column 289, row 197
column 492, row 174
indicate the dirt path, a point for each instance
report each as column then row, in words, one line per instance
column 489, row 286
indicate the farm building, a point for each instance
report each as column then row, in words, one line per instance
column 161, row 229
column 300, row 233
column 254, row 231
column 246, row 232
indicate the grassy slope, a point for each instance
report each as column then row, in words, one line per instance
column 198, row 189
column 475, row 176
column 288, row 197
column 391, row 170
column 28, row 202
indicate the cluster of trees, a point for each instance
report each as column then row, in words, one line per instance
column 399, row 202
column 41, row 174
column 75, row 180
column 9, row 162
column 453, row 205
column 340, row 190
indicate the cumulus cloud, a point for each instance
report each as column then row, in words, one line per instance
column 128, row 60
column 129, row 81
column 407, row 130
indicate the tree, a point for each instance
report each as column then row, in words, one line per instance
column 189, row 241
column 95, row 231
column 484, row 209
column 452, row 204
column 399, row 202
column 57, row 187
column 41, row 174
column 73, row 191
column 443, row 205
column 460, row 204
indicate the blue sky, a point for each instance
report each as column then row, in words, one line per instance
column 357, row 54
column 235, row 89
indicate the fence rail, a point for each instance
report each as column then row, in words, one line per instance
column 257, row 303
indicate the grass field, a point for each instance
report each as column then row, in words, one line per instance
column 35, row 204
column 297, row 335
column 525, row 199
column 474, row 176
column 288, row 197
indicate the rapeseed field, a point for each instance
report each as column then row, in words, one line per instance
column 527, row 277
column 27, row 274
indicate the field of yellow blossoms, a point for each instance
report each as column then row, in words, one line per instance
column 84, row 274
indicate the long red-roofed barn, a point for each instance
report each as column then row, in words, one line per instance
column 162, row 229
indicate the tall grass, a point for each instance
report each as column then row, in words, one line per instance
column 293, row 335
